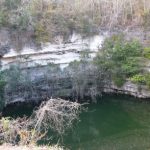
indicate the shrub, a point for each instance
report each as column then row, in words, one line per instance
column 120, row 58
column 2, row 86
column 141, row 79
column 146, row 52
column 12, row 4
column 15, row 78
column 41, row 35
column 119, row 81
column 146, row 19
column 85, row 17
column 131, row 67
column 85, row 26
column 147, row 78
column 2, row 18
column 82, row 16
column 138, row 79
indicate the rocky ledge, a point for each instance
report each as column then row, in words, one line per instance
column 45, row 73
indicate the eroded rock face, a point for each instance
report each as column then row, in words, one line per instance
column 62, row 53
column 4, row 49
column 41, row 83
column 42, row 79
column 129, row 88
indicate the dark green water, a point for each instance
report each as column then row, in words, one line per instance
column 114, row 123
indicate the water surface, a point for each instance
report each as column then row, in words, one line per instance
column 114, row 123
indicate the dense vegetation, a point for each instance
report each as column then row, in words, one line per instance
column 125, row 60
column 51, row 18
column 121, row 58
column 118, row 61
column 2, row 86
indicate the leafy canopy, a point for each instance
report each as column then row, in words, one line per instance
column 120, row 58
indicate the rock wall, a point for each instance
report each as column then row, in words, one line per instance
column 40, row 83
column 44, row 79
column 129, row 88
column 62, row 53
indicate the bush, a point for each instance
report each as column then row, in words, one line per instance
column 138, row 79
column 2, row 86
column 146, row 19
column 85, row 26
column 121, row 58
column 147, row 78
column 12, row 4
column 2, row 18
column 119, row 81
column 84, row 16
column 131, row 67
column 141, row 79
column 146, row 52
column 41, row 35
column 16, row 79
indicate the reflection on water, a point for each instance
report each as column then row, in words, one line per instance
column 114, row 123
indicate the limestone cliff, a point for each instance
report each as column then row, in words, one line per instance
column 46, row 72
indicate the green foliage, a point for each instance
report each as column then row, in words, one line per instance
column 142, row 79
column 63, row 17
column 147, row 79
column 75, row 64
column 85, row 56
column 12, row 4
column 3, row 17
column 119, row 80
column 146, row 52
column 2, row 86
column 60, row 24
column 23, row 21
column 47, row 19
column 138, row 79
column 41, row 34
column 146, row 19
column 120, row 58
column 84, row 26
column 53, row 68
column 131, row 67
column 84, row 60
column 14, row 78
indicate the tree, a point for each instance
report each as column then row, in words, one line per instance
column 120, row 58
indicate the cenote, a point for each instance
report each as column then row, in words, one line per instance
column 114, row 123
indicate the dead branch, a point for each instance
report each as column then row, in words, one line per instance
column 56, row 114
